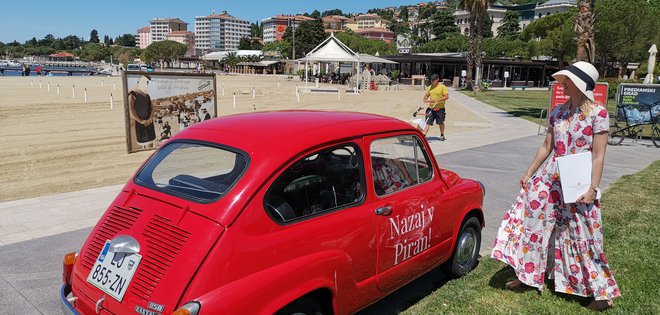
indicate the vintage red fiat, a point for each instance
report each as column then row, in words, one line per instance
column 291, row 212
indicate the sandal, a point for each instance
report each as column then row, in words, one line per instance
column 513, row 284
column 600, row 305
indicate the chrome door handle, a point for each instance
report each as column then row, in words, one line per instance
column 387, row 210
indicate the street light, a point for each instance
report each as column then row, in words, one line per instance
column 294, row 38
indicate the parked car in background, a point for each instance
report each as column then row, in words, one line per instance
column 133, row 67
column 316, row 213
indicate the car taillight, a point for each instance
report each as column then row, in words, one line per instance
column 67, row 266
column 190, row 308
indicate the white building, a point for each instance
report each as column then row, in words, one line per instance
column 219, row 32
column 527, row 13
column 162, row 26
column 275, row 27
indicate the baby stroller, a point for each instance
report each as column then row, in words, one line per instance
column 420, row 123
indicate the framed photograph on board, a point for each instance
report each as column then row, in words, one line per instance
column 157, row 105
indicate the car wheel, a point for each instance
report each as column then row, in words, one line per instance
column 303, row 306
column 466, row 251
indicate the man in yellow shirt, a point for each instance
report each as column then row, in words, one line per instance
column 436, row 96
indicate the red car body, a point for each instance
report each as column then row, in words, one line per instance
column 228, row 248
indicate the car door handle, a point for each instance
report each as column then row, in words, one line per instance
column 387, row 210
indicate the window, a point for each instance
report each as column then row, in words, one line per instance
column 195, row 171
column 325, row 180
column 398, row 163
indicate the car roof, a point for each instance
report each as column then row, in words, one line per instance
column 263, row 131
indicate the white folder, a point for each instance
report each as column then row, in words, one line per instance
column 575, row 175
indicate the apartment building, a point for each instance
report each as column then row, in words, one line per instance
column 367, row 21
column 220, row 32
column 184, row 37
column 274, row 27
column 160, row 27
column 143, row 37
column 334, row 23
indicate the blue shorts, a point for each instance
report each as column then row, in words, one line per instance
column 435, row 115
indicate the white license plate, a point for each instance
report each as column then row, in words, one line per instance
column 112, row 272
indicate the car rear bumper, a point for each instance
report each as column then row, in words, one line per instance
column 67, row 308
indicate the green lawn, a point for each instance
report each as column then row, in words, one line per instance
column 528, row 104
column 631, row 211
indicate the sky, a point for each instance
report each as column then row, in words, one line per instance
column 21, row 21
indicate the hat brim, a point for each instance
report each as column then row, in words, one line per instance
column 581, row 85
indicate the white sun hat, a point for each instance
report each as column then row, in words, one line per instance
column 583, row 74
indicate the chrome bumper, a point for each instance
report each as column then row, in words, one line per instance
column 67, row 308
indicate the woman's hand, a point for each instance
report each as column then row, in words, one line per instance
column 587, row 198
column 523, row 181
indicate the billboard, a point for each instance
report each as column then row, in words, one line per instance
column 638, row 103
column 158, row 105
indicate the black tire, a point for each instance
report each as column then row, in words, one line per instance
column 655, row 135
column 616, row 135
column 302, row 306
column 466, row 252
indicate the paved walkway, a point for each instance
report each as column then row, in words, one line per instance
column 26, row 219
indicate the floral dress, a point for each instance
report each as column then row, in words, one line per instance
column 540, row 218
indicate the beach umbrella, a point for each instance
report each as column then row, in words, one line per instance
column 652, row 52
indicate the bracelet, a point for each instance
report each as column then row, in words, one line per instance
column 594, row 188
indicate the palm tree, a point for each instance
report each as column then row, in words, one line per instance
column 477, row 10
column 584, row 27
column 231, row 59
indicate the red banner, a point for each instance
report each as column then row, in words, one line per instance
column 558, row 96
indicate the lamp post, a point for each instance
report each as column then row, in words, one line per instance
column 294, row 38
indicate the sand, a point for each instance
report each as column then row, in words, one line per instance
column 54, row 143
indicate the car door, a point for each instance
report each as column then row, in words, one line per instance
column 413, row 226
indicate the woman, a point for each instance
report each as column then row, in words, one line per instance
column 142, row 112
column 540, row 217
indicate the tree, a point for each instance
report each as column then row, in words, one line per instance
column 315, row 14
column 453, row 42
column 488, row 26
column 244, row 43
column 499, row 47
column 584, row 27
column 308, row 35
column 94, row 37
column 443, row 24
column 71, row 42
column 403, row 13
column 361, row 44
column 624, row 31
column 281, row 47
column 256, row 30
column 126, row 40
column 552, row 35
column 477, row 9
column 510, row 27
column 332, row 12
column 94, row 52
column 165, row 51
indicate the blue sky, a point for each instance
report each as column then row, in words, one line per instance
column 22, row 20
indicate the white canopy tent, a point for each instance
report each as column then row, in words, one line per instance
column 332, row 50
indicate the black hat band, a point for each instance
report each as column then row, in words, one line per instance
column 588, row 80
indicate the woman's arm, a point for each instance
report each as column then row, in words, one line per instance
column 542, row 154
column 597, row 161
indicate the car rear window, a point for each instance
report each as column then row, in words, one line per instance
column 195, row 171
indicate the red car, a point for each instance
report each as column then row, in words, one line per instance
column 305, row 212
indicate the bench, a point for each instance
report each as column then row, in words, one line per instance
column 522, row 87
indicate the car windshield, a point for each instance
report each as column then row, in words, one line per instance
column 195, row 171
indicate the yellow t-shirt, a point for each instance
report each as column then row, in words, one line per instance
column 437, row 93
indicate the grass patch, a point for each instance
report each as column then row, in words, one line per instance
column 630, row 219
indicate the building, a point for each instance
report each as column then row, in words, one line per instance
column 376, row 33
column 143, row 37
column 334, row 23
column 220, row 32
column 162, row 26
column 274, row 27
column 367, row 21
column 184, row 37
column 527, row 13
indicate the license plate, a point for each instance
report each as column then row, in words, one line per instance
column 112, row 272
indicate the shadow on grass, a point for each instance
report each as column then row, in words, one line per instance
column 526, row 112
column 408, row 295
column 506, row 274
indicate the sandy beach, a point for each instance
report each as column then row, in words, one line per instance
column 57, row 143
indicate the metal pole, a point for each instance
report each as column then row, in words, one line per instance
column 48, row 86
column 112, row 104
column 234, row 99
column 58, row 89
column 73, row 91
column 85, row 95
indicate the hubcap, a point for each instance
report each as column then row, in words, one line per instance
column 466, row 248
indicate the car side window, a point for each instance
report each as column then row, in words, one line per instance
column 399, row 162
column 325, row 180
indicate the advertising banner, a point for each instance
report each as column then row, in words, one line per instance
column 158, row 105
column 638, row 103
column 558, row 96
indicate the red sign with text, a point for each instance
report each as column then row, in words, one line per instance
column 558, row 96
